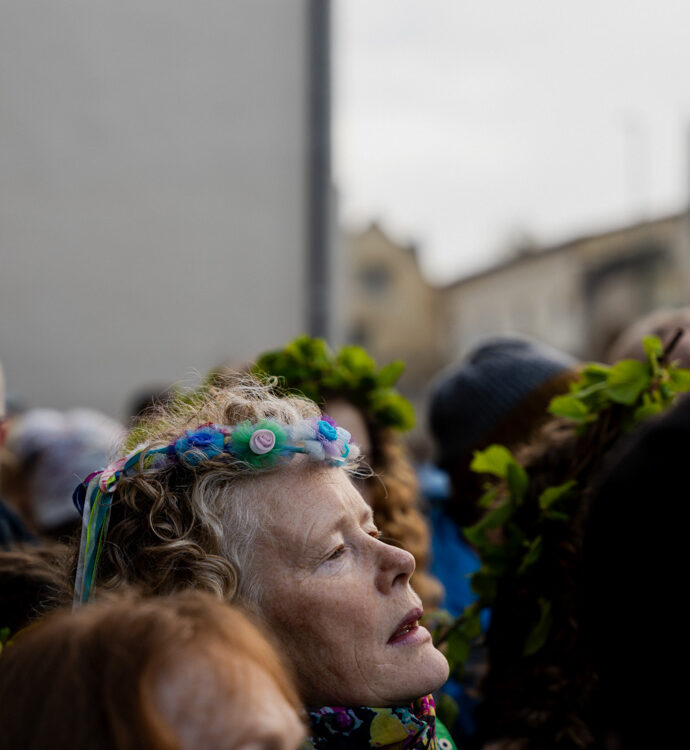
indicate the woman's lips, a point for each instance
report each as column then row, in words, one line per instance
column 409, row 631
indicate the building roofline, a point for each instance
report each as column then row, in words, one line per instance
column 555, row 249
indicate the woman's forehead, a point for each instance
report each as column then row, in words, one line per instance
column 316, row 499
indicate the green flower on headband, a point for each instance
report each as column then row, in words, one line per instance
column 259, row 445
column 307, row 366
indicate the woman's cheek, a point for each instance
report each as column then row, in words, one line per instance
column 335, row 597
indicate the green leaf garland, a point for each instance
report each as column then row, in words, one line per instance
column 641, row 390
column 307, row 366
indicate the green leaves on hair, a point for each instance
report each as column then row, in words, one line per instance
column 647, row 388
column 307, row 366
column 632, row 391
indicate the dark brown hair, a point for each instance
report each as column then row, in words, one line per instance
column 89, row 679
column 33, row 581
column 548, row 699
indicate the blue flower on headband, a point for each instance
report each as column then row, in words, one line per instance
column 333, row 440
column 197, row 445
column 327, row 429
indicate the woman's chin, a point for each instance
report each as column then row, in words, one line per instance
column 426, row 674
column 437, row 670
column 437, row 675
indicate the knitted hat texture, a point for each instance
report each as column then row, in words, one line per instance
column 471, row 399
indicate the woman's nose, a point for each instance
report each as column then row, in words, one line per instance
column 395, row 568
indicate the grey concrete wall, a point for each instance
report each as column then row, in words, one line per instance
column 153, row 168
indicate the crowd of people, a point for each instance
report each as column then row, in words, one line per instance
column 260, row 563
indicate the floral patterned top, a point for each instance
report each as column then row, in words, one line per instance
column 413, row 727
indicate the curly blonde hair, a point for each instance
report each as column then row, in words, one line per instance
column 181, row 527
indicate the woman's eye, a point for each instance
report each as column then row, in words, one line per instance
column 336, row 553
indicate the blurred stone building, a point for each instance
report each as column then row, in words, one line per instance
column 578, row 295
column 391, row 309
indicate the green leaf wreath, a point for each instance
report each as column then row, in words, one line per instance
column 621, row 395
column 307, row 366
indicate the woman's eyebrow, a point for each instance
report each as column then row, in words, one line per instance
column 366, row 516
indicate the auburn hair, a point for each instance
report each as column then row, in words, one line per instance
column 94, row 674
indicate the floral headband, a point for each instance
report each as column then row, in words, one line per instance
column 257, row 446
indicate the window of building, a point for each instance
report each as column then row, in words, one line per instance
column 376, row 279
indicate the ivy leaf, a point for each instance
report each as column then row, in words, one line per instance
column 472, row 623
column 680, row 378
column 551, row 494
column 540, row 632
column 494, row 460
column 474, row 536
column 513, row 539
column 488, row 498
column 585, row 394
column 447, row 709
column 531, row 556
column 626, row 381
column 495, row 558
column 495, row 517
column 458, row 647
column 518, row 481
column 394, row 409
column 569, row 407
column 652, row 347
column 647, row 410
column 591, row 374
column 356, row 360
column 388, row 375
column 484, row 585
column 557, row 515
column 666, row 391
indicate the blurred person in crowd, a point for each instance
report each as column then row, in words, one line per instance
column 177, row 673
column 348, row 387
column 544, row 701
column 634, row 617
column 541, row 687
column 625, row 563
column 247, row 494
column 33, row 581
column 12, row 529
column 498, row 393
column 664, row 324
column 46, row 453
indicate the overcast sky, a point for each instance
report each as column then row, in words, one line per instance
column 464, row 125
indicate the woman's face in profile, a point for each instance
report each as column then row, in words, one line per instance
column 339, row 599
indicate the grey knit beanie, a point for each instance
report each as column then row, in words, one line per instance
column 471, row 399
